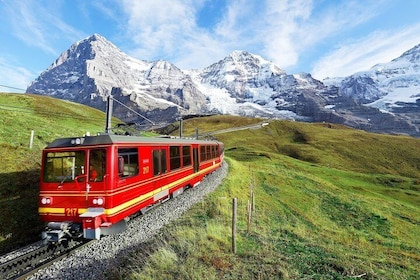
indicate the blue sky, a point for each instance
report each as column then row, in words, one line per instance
column 323, row 37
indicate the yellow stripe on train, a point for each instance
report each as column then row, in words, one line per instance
column 124, row 206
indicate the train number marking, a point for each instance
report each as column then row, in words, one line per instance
column 71, row 211
column 145, row 169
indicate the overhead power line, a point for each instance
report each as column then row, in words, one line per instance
column 13, row 87
column 122, row 104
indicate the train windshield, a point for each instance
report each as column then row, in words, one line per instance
column 64, row 166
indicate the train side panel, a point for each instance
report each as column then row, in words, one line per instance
column 97, row 185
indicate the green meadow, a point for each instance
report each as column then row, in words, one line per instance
column 330, row 202
column 49, row 118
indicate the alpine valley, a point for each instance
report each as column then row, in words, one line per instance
column 384, row 99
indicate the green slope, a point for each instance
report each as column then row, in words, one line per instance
column 331, row 203
column 49, row 118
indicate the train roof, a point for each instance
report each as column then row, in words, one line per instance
column 108, row 139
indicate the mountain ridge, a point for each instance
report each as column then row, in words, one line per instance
column 240, row 84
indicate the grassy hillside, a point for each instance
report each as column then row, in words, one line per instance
column 19, row 176
column 331, row 203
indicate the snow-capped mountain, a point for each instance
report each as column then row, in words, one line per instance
column 94, row 68
column 243, row 83
column 387, row 85
column 240, row 84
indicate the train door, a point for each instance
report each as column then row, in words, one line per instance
column 159, row 166
column 95, row 184
column 196, row 164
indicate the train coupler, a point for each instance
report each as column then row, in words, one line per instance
column 58, row 232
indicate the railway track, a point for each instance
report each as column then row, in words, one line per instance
column 92, row 260
column 29, row 262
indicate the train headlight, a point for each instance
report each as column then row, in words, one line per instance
column 46, row 201
column 98, row 201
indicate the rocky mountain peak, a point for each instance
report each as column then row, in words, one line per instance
column 412, row 55
column 164, row 69
column 253, row 61
column 239, row 73
column 84, row 50
column 407, row 63
column 97, row 43
column 240, row 84
column 244, row 64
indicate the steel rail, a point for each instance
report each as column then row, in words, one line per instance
column 34, row 260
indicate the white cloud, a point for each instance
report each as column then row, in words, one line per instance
column 39, row 24
column 280, row 31
column 13, row 75
column 333, row 21
column 155, row 25
column 38, row 27
column 281, row 27
column 293, row 28
column 168, row 30
column 378, row 47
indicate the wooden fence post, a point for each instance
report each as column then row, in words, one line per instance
column 252, row 202
column 251, row 187
column 248, row 216
column 31, row 141
column 234, row 207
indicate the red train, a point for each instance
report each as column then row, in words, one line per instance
column 90, row 185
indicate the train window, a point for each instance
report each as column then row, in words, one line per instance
column 159, row 162
column 120, row 166
column 129, row 159
column 203, row 153
column 186, row 155
column 175, row 157
column 208, row 152
column 96, row 165
column 63, row 166
column 156, row 156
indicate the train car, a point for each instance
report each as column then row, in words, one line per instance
column 90, row 185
